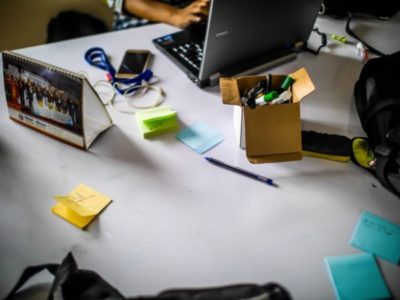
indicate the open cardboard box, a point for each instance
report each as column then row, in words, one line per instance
column 269, row 133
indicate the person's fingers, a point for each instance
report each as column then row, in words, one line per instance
column 197, row 8
column 194, row 19
column 203, row 2
column 193, row 13
column 198, row 5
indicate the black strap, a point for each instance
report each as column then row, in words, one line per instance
column 376, row 108
column 323, row 42
column 65, row 269
column 60, row 272
column 381, row 172
column 75, row 283
column 30, row 272
column 86, row 284
column 272, row 291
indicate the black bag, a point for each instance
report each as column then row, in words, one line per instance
column 377, row 99
column 382, row 9
column 73, row 24
column 76, row 284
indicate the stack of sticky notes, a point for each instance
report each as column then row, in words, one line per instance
column 200, row 137
column 377, row 236
column 157, row 120
column 357, row 276
column 80, row 206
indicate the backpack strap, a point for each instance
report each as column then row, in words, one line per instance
column 382, row 173
column 383, row 150
column 378, row 107
column 71, row 282
column 67, row 267
column 380, row 169
column 28, row 273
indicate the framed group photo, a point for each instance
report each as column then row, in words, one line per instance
column 51, row 100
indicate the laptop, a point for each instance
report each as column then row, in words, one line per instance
column 240, row 37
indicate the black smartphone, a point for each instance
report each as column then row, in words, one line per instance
column 133, row 63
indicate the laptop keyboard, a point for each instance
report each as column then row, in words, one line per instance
column 192, row 53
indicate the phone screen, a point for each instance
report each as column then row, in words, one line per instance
column 133, row 63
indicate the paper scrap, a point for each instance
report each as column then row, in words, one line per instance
column 200, row 137
column 356, row 276
column 157, row 120
column 378, row 236
column 80, row 206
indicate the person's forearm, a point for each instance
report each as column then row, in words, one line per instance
column 151, row 10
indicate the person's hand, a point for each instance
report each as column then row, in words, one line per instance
column 193, row 13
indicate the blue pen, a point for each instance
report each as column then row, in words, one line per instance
column 241, row 171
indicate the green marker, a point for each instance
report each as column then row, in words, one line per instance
column 267, row 98
column 283, row 98
column 339, row 38
column 287, row 82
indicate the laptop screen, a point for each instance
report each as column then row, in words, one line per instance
column 239, row 31
column 240, row 35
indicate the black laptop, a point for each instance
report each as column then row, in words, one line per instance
column 240, row 37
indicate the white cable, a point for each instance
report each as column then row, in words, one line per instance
column 129, row 96
column 145, row 88
column 105, row 83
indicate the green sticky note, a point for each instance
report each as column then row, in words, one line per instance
column 356, row 277
column 378, row 236
column 154, row 118
column 157, row 120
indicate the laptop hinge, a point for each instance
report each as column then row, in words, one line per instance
column 214, row 78
column 269, row 65
column 255, row 66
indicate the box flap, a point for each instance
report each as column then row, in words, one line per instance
column 233, row 88
column 302, row 85
column 229, row 91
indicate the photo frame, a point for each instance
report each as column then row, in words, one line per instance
column 52, row 100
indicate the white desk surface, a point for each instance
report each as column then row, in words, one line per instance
column 176, row 220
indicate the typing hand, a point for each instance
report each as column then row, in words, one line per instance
column 193, row 13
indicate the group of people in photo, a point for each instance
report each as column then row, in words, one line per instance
column 28, row 93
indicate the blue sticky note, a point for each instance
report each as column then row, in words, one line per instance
column 356, row 276
column 200, row 137
column 377, row 236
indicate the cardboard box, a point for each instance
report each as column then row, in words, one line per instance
column 269, row 133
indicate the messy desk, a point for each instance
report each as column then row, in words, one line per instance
column 176, row 220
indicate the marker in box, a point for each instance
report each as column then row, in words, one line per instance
column 267, row 98
column 284, row 97
column 287, row 82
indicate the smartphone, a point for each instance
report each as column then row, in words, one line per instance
column 133, row 63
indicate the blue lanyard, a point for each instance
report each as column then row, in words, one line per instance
column 97, row 57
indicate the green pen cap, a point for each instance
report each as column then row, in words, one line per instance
column 287, row 82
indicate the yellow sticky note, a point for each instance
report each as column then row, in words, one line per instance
column 81, row 205
column 72, row 217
